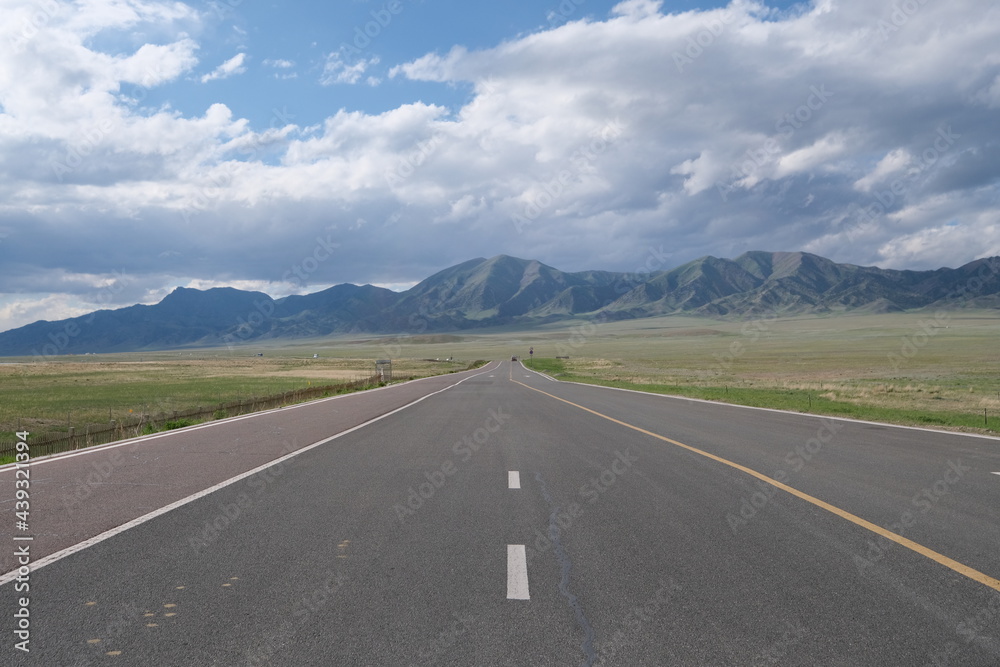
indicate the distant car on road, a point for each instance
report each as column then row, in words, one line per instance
column 513, row 358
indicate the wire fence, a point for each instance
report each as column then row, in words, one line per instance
column 145, row 424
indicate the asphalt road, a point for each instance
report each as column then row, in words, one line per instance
column 641, row 531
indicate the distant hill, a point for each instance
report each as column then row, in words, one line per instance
column 507, row 290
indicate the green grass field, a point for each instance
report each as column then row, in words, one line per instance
column 75, row 391
column 902, row 368
column 911, row 368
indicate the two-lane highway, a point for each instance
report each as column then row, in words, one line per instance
column 649, row 531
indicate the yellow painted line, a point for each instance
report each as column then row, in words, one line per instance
column 950, row 563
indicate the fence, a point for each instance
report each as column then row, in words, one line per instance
column 144, row 424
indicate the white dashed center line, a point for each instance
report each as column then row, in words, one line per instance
column 513, row 479
column 517, row 573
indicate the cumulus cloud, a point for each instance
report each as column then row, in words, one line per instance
column 231, row 67
column 861, row 131
column 337, row 69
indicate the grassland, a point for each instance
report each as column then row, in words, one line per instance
column 904, row 368
column 51, row 396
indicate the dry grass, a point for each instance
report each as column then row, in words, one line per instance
column 51, row 396
column 847, row 359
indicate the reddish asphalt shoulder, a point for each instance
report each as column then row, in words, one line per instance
column 78, row 495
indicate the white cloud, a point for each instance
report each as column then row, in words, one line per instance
column 942, row 245
column 31, row 308
column 637, row 9
column 812, row 129
column 337, row 70
column 282, row 66
column 820, row 152
column 894, row 162
column 154, row 64
column 231, row 67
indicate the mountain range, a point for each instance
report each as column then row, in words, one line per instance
column 506, row 290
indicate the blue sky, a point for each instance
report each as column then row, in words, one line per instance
column 147, row 144
column 288, row 46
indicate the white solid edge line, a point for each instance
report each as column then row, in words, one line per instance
column 517, row 573
column 513, row 479
column 68, row 551
column 547, row 377
column 996, row 473
column 146, row 438
column 786, row 412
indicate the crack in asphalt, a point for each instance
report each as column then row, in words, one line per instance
column 566, row 564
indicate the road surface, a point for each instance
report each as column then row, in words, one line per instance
column 497, row 517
